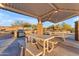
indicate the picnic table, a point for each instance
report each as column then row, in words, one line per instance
column 45, row 39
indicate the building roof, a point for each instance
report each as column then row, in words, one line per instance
column 55, row 12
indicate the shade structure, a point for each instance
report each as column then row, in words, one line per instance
column 55, row 12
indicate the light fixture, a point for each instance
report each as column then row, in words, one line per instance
column 56, row 11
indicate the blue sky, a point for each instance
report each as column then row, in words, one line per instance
column 7, row 18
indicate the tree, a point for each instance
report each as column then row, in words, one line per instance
column 73, row 30
column 27, row 25
column 67, row 27
column 58, row 27
column 17, row 22
column 34, row 26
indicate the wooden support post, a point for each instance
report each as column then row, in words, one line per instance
column 39, row 27
column 77, row 30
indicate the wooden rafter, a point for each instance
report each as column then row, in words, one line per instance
column 1, row 5
column 54, row 8
column 70, row 10
column 50, row 4
column 66, row 10
column 50, row 15
column 49, row 12
column 45, row 14
column 68, row 17
column 12, row 8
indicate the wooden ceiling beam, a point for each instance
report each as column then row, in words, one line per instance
column 49, row 12
column 53, row 6
column 67, row 17
column 67, row 10
column 70, row 10
column 1, row 5
column 57, row 20
column 8, row 7
column 58, row 9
